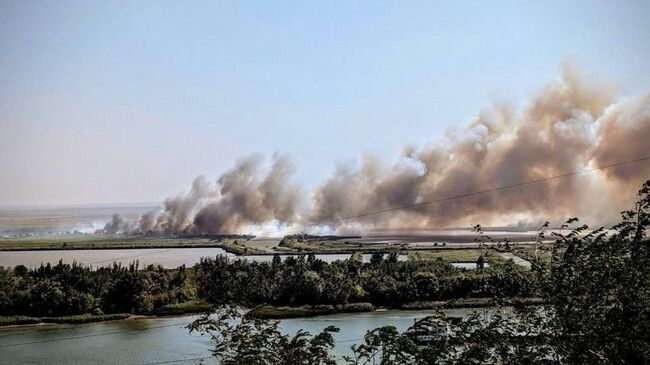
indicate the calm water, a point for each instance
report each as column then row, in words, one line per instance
column 169, row 258
column 165, row 339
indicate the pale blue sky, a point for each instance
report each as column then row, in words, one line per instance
column 127, row 101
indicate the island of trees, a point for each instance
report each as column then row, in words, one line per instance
column 303, row 281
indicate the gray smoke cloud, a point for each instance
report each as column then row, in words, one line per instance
column 570, row 125
column 239, row 197
column 117, row 225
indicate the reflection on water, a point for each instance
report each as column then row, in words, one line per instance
column 121, row 342
column 166, row 339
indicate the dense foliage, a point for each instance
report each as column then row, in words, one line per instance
column 597, row 285
column 389, row 282
column 243, row 340
column 62, row 289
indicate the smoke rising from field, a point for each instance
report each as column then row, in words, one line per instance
column 572, row 124
column 242, row 196
column 117, row 225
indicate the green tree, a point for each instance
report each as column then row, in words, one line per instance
column 248, row 341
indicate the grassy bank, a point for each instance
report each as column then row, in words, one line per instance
column 455, row 255
column 76, row 319
column 240, row 248
column 193, row 306
column 96, row 242
column 267, row 311
column 469, row 303
column 100, row 242
column 190, row 307
column 271, row 312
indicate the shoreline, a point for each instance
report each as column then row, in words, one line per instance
column 268, row 312
column 285, row 252
column 283, row 312
column 68, row 248
column 185, row 308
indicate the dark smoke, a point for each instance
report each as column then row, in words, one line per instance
column 117, row 225
column 570, row 125
column 240, row 197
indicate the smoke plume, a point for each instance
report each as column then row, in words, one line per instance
column 572, row 124
column 117, row 225
column 238, row 198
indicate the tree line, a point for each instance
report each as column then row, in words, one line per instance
column 306, row 280
column 71, row 289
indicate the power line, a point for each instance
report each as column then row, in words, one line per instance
column 460, row 196
column 362, row 215
column 441, row 200
column 351, row 340
column 175, row 361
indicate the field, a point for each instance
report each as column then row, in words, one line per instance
column 455, row 255
column 262, row 246
column 65, row 219
column 90, row 241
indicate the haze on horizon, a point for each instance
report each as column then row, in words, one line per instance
column 127, row 102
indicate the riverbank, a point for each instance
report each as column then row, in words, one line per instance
column 190, row 307
column 119, row 242
column 468, row 303
column 266, row 311
column 273, row 312
column 100, row 242
column 76, row 319
column 237, row 245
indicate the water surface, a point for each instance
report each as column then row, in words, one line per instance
column 168, row 258
column 166, row 339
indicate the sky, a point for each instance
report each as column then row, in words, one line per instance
column 117, row 102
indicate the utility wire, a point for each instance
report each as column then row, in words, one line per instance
column 460, row 196
column 402, row 207
column 175, row 361
column 441, row 200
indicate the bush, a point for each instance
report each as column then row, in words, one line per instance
column 16, row 320
column 85, row 318
column 356, row 307
column 193, row 306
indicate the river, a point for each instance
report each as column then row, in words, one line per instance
column 165, row 340
column 169, row 257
